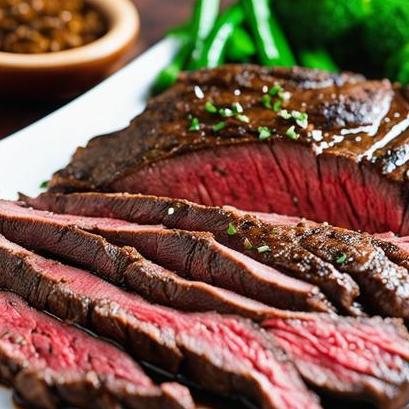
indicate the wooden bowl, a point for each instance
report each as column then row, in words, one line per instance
column 67, row 73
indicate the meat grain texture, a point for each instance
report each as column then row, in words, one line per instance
column 348, row 164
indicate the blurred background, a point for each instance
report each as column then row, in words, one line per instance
column 367, row 36
column 157, row 16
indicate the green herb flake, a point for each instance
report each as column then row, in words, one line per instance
column 291, row 133
column 247, row 244
column 263, row 249
column 264, row 133
column 341, row 259
column 284, row 114
column 301, row 118
column 226, row 112
column 237, row 108
column 243, row 118
column 277, row 106
column 194, row 125
column 231, row 230
column 276, row 90
column 219, row 126
column 44, row 184
column 210, row 107
column 266, row 101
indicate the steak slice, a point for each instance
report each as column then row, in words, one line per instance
column 51, row 364
column 223, row 267
column 346, row 164
column 222, row 354
column 352, row 357
column 166, row 337
column 378, row 267
column 287, row 256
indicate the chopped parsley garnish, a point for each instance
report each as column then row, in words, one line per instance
column 231, row 230
column 291, row 133
column 226, row 112
column 171, row 211
column 243, row 118
column 301, row 118
column 210, row 107
column 44, row 184
column 264, row 133
column 277, row 106
column 284, row 114
column 341, row 258
column 266, row 101
column 247, row 244
column 237, row 108
column 276, row 90
column 263, row 249
column 219, row 126
column 194, row 125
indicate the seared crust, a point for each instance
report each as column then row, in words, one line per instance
column 363, row 121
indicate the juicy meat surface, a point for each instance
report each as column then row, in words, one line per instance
column 351, row 351
column 209, row 261
column 51, row 364
column 347, row 164
column 353, row 257
column 350, row 357
column 205, row 347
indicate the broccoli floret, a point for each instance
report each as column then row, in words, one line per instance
column 318, row 22
column 397, row 67
column 386, row 32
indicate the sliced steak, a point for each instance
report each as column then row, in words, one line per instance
column 354, row 357
column 51, row 364
column 347, row 164
column 221, row 354
column 221, row 266
column 287, row 256
column 377, row 265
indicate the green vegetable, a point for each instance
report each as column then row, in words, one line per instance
column 214, row 49
column 243, row 118
column 194, row 125
column 219, row 126
column 169, row 75
column 272, row 46
column 226, row 112
column 291, row 133
column 44, row 184
column 397, row 66
column 237, row 108
column 210, row 107
column 341, row 258
column 386, row 32
column 317, row 58
column 231, row 230
column 267, row 101
column 263, row 133
column 263, row 249
column 318, row 22
column 240, row 47
column 204, row 17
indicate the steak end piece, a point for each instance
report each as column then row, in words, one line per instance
column 52, row 364
column 351, row 151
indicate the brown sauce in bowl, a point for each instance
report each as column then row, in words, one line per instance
column 42, row 26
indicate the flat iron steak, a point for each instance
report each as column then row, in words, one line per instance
column 252, row 146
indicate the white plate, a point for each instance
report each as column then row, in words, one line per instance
column 32, row 155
